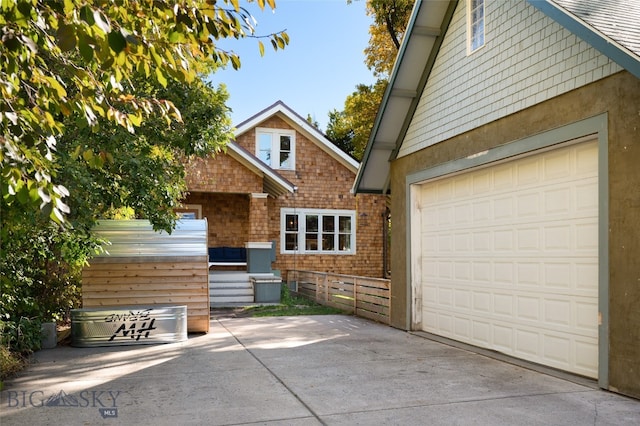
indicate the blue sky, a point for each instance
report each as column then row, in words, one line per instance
column 314, row 74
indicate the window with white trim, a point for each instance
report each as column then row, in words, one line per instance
column 475, row 25
column 276, row 147
column 319, row 231
column 189, row 211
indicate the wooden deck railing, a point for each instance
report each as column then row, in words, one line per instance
column 362, row 296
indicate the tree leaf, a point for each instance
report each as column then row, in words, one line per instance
column 161, row 78
column 87, row 155
column 235, row 62
column 117, row 42
column 136, row 119
column 66, row 38
column 86, row 51
column 86, row 14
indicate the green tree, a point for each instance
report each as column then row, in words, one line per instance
column 352, row 126
column 103, row 100
column 110, row 169
column 390, row 22
column 340, row 132
column 77, row 59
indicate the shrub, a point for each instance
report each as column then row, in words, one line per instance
column 10, row 364
column 22, row 336
column 18, row 339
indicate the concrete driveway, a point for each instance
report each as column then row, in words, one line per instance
column 334, row 370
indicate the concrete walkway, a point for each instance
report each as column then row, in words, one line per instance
column 334, row 370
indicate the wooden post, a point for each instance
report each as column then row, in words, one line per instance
column 326, row 288
column 355, row 295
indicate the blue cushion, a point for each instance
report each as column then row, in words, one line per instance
column 227, row 254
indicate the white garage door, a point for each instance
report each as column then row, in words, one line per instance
column 509, row 257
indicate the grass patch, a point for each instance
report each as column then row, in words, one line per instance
column 285, row 311
column 291, row 305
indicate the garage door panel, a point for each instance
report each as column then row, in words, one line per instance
column 510, row 257
column 527, row 343
column 586, row 316
column 586, row 358
column 566, row 313
column 586, row 159
column 585, row 202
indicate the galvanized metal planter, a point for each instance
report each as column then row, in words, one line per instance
column 128, row 325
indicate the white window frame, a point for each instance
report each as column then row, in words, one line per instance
column 476, row 25
column 301, row 232
column 188, row 210
column 275, row 146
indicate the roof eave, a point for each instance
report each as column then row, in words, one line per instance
column 400, row 99
column 275, row 184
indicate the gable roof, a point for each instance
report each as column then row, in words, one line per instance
column 297, row 122
column 609, row 26
column 273, row 183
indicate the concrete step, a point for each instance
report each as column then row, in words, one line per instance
column 231, row 291
column 227, row 288
column 229, row 277
column 227, row 284
column 229, row 300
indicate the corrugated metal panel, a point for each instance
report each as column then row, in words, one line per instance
column 136, row 238
column 128, row 325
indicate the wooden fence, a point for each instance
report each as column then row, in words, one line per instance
column 362, row 296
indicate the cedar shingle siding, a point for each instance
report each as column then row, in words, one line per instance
column 223, row 187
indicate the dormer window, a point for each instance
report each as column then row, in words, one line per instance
column 276, row 147
column 475, row 25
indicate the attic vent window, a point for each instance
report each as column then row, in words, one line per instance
column 475, row 25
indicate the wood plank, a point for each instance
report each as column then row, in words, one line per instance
column 346, row 308
column 374, row 300
column 198, row 305
column 372, row 316
column 383, row 310
column 148, row 273
column 341, row 300
column 198, row 324
column 159, row 280
column 167, row 264
column 341, row 285
column 114, row 294
column 136, row 285
column 199, row 311
column 373, row 292
column 100, row 269
column 143, row 300
column 341, row 294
